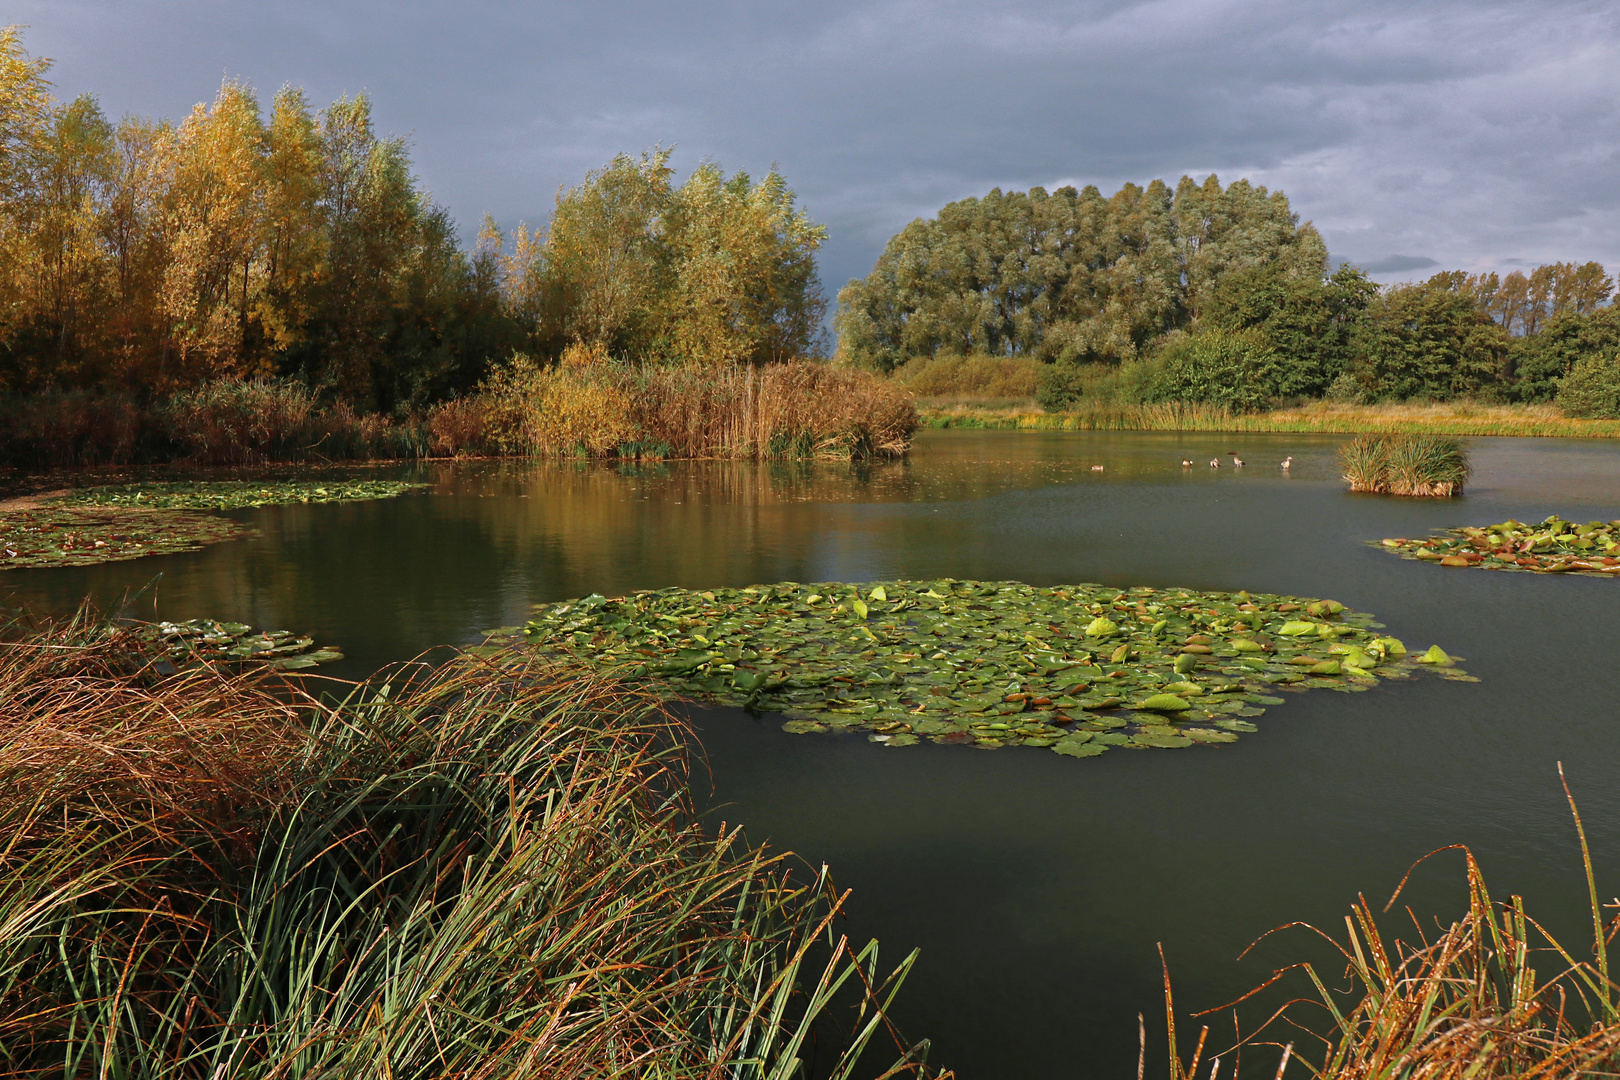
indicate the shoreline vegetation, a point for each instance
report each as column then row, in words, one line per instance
column 448, row 871
column 1461, row 418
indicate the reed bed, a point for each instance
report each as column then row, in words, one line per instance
column 586, row 406
column 1428, row 466
column 1455, row 418
column 476, row 870
column 1469, row 1001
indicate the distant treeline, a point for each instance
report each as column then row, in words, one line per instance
column 1200, row 293
column 149, row 257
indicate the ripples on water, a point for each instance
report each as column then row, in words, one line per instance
column 1037, row 886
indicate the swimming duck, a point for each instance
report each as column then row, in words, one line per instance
column 1214, row 462
column 1287, row 461
column 1186, row 463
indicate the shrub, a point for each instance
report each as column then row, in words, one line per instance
column 74, row 427
column 1061, row 385
column 1592, row 389
column 1231, row 368
column 974, row 375
column 232, row 422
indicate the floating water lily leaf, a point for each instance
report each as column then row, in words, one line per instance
column 53, row 535
column 231, row 643
column 988, row 663
column 232, row 494
column 1554, row 546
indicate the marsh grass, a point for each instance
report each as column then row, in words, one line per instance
column 1465, row 1001
column 463, row 871
column 1449, row 418
column 1429, row 466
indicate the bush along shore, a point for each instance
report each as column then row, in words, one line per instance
column 460, row 871
column 583, row 405
column 1078, row 669
column 1554, row 546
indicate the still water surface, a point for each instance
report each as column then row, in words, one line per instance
column 1037, row 886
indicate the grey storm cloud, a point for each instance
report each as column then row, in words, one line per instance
column 1476, row 134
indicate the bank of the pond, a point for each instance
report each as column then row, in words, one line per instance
column 449, row 872
column 1321, row 416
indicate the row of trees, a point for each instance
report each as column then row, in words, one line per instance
column 156, row 256
column 1212, row 294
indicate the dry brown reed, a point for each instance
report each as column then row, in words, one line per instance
column 594, row 408
column 1466, row 1002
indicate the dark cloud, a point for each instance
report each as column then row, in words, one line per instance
column 1395, row 264
column 1473, row 131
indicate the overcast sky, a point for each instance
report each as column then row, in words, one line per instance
column 1416, row 134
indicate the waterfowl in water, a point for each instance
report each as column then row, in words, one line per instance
column 1237, row 461
column 1214, row 462
column 1096, row 468
column 1287, row 461
column 1186, row 463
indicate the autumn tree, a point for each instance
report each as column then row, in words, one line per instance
column 717, row 270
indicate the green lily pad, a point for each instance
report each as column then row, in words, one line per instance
column 232, row 494
column 50, row 535
column 992, row 664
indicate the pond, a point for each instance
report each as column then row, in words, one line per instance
column 1037, row 886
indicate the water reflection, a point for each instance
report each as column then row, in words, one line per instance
column 1037, row 886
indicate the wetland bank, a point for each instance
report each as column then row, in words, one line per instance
column 1036, row 886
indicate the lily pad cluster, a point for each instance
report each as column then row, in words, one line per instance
column 1554, row 546
column 234, row 494
column 232, row 643
column 1076, row 668
column 54, row 535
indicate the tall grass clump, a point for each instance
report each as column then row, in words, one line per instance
column 479, row 870
column 1423, row 465
column 1493, row 994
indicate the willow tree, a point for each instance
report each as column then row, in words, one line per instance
column 716, row 270
column 1068, row 275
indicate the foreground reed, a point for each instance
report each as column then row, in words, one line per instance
column 471, row 871
column 1465, row 1003
column 1428, row 466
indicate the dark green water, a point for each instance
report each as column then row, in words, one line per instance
column 1038, row 886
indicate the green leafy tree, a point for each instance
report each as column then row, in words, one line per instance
column 1539, row 361
column 1309, row 321
column 1429, row 340
column 1067, row 276
column 1592, row 387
